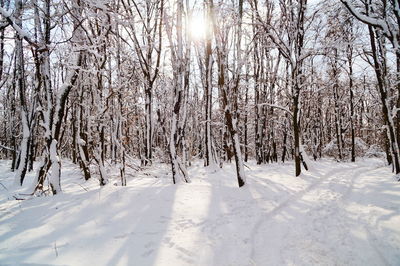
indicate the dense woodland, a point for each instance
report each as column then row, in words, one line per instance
column 133, row 83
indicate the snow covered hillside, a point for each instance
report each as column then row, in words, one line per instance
column 336, row 214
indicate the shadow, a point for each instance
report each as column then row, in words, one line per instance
column 232, row 211
column 103, row 226
column 144, row 234
column 320, row 225
column 338, row 214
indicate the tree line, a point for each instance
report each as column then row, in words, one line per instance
column 117, row 81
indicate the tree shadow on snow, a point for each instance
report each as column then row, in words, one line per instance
column 108, row 225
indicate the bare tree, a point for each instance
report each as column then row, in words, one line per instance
column 383, row 21
column 229, row 86
column 148, row 45
column 179, row 59
column 288, row 36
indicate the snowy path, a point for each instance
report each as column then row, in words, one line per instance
column 321, row 226
column 336, row 214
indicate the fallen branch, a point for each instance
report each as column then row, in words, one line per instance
column 18, row 198
column 248, row 167
column 6, row 148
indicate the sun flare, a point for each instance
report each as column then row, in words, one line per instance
column 197, row 28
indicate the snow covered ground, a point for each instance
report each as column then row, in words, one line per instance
column 336, row 214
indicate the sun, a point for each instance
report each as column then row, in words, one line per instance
column 197, row 27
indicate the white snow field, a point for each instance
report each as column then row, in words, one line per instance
column 336, row 214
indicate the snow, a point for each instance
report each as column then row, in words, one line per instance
column 5, row 13
column 8, row 14
column 278, row 107
column 366, row 19
column 55, row 167
column 337, row 214
column 23, row 152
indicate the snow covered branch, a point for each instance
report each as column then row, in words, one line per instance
column 11, row 21
column 277, row 107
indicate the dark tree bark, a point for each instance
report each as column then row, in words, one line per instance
column 208, row 87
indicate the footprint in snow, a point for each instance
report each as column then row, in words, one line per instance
column 147, row 253
column 168, row 242
column 149, row 244
column 185, row 251
column 121, row 236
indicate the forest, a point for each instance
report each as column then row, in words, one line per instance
column 119, row 89
column 271, row 81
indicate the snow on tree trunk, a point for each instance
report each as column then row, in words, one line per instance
column 24, row 151
column 229, row 90
column 149, row 127
column 102, row 170
column 382, row 25
column 178, row 113
column 296, row 132
column 210, row 160
column 55, row 169
column 81, row 145
column 20, row 80
column 232, row 125
column 382, row 87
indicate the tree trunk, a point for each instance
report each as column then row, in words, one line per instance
column 382, row 86
column 209, row 160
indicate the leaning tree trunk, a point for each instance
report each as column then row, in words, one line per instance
column 230, row 88
column 231, row 122
column 386, row 110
